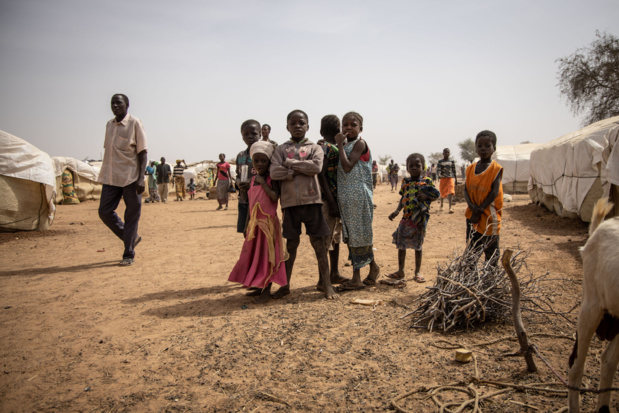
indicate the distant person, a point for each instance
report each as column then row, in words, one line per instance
column 164, row 172
column 250, row 131
column 483, row 192
column 433, row 173
column 329, row 127
column 447, row 175
column 296, row 164
column 191, row 189
column 266, row 131
column 263, row 254
column 392, row 172
column 355, row 198
column 462, row 171
column 179, row 179
column 222, row 181
column 151, row 172
column 374, row 174
column 122, row 175
column 417, row 194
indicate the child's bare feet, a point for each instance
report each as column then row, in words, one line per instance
column 282, row 292
column 330, row 294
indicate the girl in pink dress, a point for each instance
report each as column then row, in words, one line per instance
column 263, row 255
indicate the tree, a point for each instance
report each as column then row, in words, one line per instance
column 589, row 79
column 382, row 160
column 434, row 158
column 467, row 150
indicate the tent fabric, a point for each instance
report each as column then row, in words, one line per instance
column 515, row 161
column 566, row 173
column 85, row 178
column 28, row 185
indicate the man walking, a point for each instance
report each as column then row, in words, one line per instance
column 122, row 175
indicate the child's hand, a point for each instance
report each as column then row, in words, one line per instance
column 340, row 139
column 244, row 186
column 260, row 180
column 475, row 217
column 393, row 215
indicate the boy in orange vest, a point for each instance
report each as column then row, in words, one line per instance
column 483, row 192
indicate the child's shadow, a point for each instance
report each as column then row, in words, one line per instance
column 217, row 306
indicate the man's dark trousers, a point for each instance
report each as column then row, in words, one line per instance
column 128, row 230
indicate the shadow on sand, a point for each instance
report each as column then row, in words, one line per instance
column 55, row 270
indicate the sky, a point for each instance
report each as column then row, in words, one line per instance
column 425, row 75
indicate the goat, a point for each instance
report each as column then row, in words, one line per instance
column 599, row 311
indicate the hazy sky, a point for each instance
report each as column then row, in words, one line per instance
column 424, row 74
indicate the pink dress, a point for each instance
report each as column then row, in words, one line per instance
column 263, row 254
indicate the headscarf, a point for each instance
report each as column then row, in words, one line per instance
column 264, row 147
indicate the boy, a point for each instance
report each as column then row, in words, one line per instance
column 266, row 131
column 329, row 127
column 483, row 192
column 296, row 164
column 122, row 175
column 250, row 131
column 447, row 174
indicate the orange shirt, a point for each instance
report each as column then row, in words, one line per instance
column 478, row 188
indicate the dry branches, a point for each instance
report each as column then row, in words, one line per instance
column 469, row 291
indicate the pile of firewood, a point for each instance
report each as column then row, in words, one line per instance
column 469, row 291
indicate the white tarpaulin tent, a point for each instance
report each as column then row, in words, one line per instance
column 85, row 178
column 515, row 162
column 610, row 174
column 566, row 173
column 27, row 185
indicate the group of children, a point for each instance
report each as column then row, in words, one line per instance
column 327, row 186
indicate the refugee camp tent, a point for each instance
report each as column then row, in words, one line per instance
column 566, row 173
column 85, row 178
column 27, row 185
column 610, row 174
column 515, row 162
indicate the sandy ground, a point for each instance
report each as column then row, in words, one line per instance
column 79, row 333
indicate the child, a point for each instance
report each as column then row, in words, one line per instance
column 296, row 164
column 152, row 183
column 354, row 196
column 222, row 181
column 329, row 127
column 191, row 189
column 250, row 131
column 263, row 253
column 447, row 174
column 483, row 192
column 417, row 194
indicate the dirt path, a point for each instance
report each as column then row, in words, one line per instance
column 79, row 333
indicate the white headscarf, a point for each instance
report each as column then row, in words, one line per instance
column 264, row 147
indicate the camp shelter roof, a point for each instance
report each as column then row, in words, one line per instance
column 79, row 167
column 568, row 167
column 515, row 161
column 20, row 159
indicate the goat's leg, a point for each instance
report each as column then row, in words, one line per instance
column 610, row 359
column 588, row 320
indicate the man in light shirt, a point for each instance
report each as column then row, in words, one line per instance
column 122, row 175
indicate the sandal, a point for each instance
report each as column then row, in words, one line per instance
column 419, row 279
column 394, row 276
column 126, row 262
column 347, row 286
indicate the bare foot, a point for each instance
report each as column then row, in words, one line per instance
column 373, row 275
column 338, row 279
column 254, row 293
column 283, row 291
column 330, row 294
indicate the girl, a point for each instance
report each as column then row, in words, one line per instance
column 152, row 182
column 417, row 194
column 263, row 253
column 354, row 196
column 191, row 189
column 222, row 180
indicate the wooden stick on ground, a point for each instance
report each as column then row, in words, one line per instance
column 521, row 333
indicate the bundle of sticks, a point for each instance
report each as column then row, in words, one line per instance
column 469, row 291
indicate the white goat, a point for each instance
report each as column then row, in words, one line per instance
column 600, row 305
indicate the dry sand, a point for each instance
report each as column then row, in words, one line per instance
column 79, row 333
